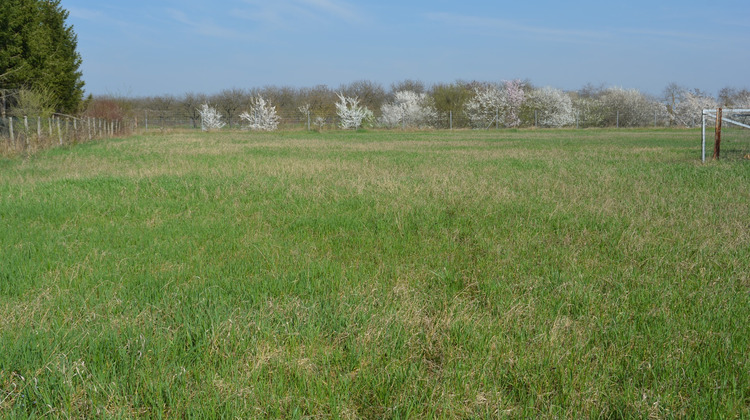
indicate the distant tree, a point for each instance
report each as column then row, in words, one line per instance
column 305, row 111
column 210, row 118
column 484, row 108
column 449, row 100
column 286, row 99
column 589, row 111
column 262, row 115
column 408, row 109
column 369, row 94
column 190, row 103
column 591, row 91
column 410, row 85
column 230, row 101
column 514, row 99
column 690, row 109
column 734, row 98
column 38, row 53
column 107, row 107
column 321, row 99
column 554, row 107
column 163, row 106
column 630, row 108
column 351, row 114
column 672, row 95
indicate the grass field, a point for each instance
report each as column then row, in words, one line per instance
column 555, row 273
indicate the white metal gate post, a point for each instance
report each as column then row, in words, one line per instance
column 703, row 138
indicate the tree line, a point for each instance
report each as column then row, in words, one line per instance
column 413, row 104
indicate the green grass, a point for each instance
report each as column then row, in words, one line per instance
column 560, row 273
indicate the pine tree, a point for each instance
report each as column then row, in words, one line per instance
column 38, row 52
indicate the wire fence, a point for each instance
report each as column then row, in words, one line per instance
column 30, row 134
column 149, row 119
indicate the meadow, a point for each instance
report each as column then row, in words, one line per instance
column 380, row 274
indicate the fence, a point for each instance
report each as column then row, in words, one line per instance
column 156, row 120
column 28, row 134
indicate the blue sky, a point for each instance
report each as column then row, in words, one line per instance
column 153, row 47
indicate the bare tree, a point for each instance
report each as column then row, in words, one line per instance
column 369, row 94
column 410, row 85
column 190, row 104
column 230, row 101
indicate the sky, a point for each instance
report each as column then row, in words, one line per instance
column 156, row 47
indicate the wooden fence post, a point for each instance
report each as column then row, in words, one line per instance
column 59, row 130
column 25, row 131
column 717, row 135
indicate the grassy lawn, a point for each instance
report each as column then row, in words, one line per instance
column 384, row 274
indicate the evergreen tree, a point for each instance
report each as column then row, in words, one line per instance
column 38, row 52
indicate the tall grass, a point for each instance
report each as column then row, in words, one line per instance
column 378, row 274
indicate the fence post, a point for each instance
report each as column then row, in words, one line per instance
column 59, row 131
column 38, row 129
column 146, row 111
column 450, row 116
column 49, row 126
column 12, row 139
column 717, row 135
column 26, row 132
column 703, row 137
column 618, row 118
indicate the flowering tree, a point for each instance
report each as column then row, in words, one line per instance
column 305, row 110
column 352, row 115
column 631, row 108
column 262, row 115
column 689, row 110
column 408, row 109
column 553, row 107
column 484, row 108
column 514, row 99
column 493, row 104
column 210, row 118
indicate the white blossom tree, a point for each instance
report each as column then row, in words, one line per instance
column 351, row 114
column 210, row 118
column 514, row 99
column 484, row 108
column 553, row 107
column 496, row 104
column 305, row 110
column 631, row 108
column 689, row 110
column 262, row 115
column 409, row 109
